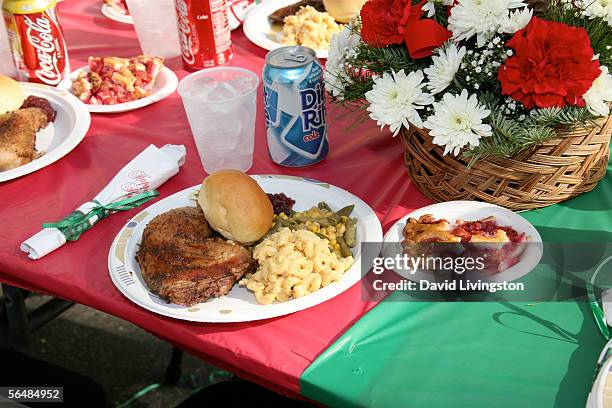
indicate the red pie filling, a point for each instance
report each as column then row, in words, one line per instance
column 482, row 238
column 485, row 228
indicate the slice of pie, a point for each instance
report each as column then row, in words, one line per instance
column 486, row 230
column 112, row 80
column 427, row 229
column 500, row 246
column 119, row 5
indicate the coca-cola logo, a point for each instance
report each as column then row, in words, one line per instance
column 40, row 35
column 182, row 12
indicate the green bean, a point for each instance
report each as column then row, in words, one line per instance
column 323, row 221
column 275, row 228
column 287, row 223
column 350, row 234
column 300, row 217
column 345, row 251
column 334, row 219
column 323, row 206
column 318, row 234
column 346, row 211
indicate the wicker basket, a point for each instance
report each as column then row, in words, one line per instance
column 568, row 165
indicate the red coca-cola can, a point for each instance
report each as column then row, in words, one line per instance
column 36, row 39
column 204, row 32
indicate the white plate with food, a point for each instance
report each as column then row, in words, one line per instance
column 168, row 279
column 265, row 28
column 473, row 222
column 31, row 139
column 116, row 13
column 128, row 91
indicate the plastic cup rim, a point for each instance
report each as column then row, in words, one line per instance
column 180, row 89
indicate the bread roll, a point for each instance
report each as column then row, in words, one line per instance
column 11, row 95
column 235, row 206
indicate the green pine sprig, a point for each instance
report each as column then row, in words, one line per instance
column 385, row 59
column 512, row 136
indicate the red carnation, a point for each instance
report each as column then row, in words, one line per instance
column 382, row 21
column 552, row 65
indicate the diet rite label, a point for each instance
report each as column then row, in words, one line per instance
column 32, row 394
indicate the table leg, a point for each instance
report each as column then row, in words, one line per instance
column 173, row 371
column 18, row 327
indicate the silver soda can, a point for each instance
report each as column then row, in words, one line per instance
column 294, row 102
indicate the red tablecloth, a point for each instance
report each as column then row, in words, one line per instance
column 272, row 352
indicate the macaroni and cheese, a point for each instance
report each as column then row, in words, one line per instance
column 310, row 28
column 293, row 264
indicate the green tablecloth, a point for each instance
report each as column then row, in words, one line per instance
column 415, row 354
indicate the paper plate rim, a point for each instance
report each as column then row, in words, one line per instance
column 169, row 87
column 256, row 22
column 121, row 277
column 82, row 122
column 112, row 14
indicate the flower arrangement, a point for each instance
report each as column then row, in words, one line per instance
column 485, row 78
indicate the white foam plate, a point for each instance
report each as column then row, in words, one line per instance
column 164, row 86
column 58, row 138
column 239, row 305
column 471, row 211
column 113, row 14
column 260, row 31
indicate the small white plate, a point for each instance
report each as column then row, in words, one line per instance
column 59, row 138
column 239, row 305
column 260, row 31
column 164, row 86
column 113, row 14
column 471, row 211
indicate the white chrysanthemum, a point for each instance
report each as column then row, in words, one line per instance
column 599, row 96
column 342, row 46
column 394, row 100
column 457, row 122
column 516, row 20
column 445, row 66
column 479, row 18
column 430, row 6
column 597, row 8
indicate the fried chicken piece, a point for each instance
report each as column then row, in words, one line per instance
column 183, row 262
column 18, row 136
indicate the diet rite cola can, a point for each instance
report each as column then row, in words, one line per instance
column 204, row 32
column 36, row 39
column 294, row 101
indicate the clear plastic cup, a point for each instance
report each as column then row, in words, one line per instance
column 221, row 104
column 7, row 66
column 156, row 27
